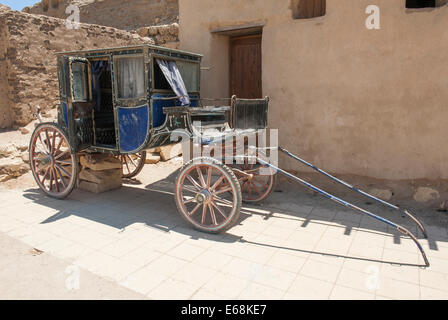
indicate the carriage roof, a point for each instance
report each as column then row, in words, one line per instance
column 174, row 53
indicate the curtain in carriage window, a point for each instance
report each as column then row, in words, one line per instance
column 174, row 78
column 131, row 78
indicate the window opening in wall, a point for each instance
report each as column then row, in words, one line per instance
column 306, row 9
column 416, row 4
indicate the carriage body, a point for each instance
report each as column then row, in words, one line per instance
column 113, row 100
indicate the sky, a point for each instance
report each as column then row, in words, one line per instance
column 18, row 4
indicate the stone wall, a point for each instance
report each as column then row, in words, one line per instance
column 5, row 115
column 120, row 14
column 32, row 41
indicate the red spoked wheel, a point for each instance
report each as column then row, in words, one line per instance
column 132, row 164
column 259, row 185
column 208, row 195
column 55, row 168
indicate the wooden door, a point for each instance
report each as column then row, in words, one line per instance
column 245, row 67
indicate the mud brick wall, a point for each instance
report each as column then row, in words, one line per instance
column 120, row 14
column 30, row 43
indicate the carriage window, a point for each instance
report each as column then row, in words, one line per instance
column 190, row 74
column 131, row 78
column 160, row 82
column 79, row 81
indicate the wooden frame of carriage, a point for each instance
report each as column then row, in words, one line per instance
column 124, row 101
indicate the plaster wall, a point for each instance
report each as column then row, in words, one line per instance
column 354, row 101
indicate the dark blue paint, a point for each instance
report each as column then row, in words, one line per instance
column 65, row 113
column 133, row 127
column 158, row 118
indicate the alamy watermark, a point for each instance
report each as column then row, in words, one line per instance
column 73, row 20
column 373, row 20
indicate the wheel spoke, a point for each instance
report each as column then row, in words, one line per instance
column 212, row 213
column 194, row 182
column 257, row 189
column 221, row 191
column 260, row 183
column 201, row 177
column 219, row 210
column 59, row 146
column 45, row 176
column 62, row 162
column 127, row 165
column 209, row 176
column 133, row 162
column 217, row 183
column 55, row 179
column 46, row 147
column 195, row 209
column 51, row 179
column 189, row 189
column 60, row 155
column 53, row 143
column 250, row 190
column 63, row 170
column 62, row 178
column 204, row 213
column 48, row 140
column 224, row 201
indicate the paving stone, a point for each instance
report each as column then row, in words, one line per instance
column 306, row 288
column 173, row 290
column 343, row 293
column 398, row 289
column 143, row 281
column 257, row 291
column 321, row 271
column 226, row 285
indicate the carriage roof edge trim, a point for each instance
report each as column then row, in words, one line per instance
column 128, row 48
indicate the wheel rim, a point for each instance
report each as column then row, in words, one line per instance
column 52, row 162
column 207, row 197
column 258, row 187
column 131, row 164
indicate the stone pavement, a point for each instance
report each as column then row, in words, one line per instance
column 293, row 246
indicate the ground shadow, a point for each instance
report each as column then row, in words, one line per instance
column 162, row 215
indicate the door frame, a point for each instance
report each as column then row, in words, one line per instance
column 248, row 36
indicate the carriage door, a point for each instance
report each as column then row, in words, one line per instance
column 81, row 124
column 245, row 67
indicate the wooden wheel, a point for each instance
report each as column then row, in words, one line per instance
column 208, row 195
column 54, row 166
column 261, row 183
column 132, row 164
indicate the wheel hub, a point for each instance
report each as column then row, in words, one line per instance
column 204, row 196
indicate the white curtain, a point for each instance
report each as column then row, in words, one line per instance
column 174, row 78
column 131, row 78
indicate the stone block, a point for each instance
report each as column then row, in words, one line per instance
column 171, row 151
column 152, row 158
column 100, row 177
column 100, row 162
column 100, row 188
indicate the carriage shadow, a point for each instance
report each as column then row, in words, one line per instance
column 153, row 206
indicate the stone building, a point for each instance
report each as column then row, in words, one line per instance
column 355, row 100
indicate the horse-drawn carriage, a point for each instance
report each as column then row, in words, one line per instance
column 124, row 101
